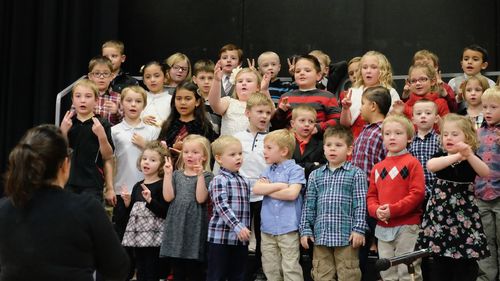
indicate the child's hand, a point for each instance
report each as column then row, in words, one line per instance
column 459, row 95
column 264, row 84
column 146, row 193
column 263, row 180
column 464, row 149
column 168, row 168
column 126, row 196
column 67, row 123
column 218, row 71
column 346, row 101
column 149, row 120
column 398, row 107
column 383, row 213
column 244, row 234
column 138, row 140
column 198, row 167
column 304, row 241
column 97, row 128
column 284, row 104
column 111, row 106
column 357, row 240
column 110, row 196
column 291, row 65
column 251, row 64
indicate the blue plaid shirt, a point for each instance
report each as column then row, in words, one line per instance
column 279, row 216
column 230, row 194
column 423, row 149
column 335, row 205
column 368, row 148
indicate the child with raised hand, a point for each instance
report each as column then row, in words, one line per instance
column 474, row 59
column 269, row 62
column 451, row 223
column 307, row 72
column 187, row 116
column 129, row 137
column 281, row 184
column 179, row 70
column 395, row 195
column 186, row 224
column 374, row 70
column 230, row 57
column 487, row 189
column 203, row 77
column 228, row 229
column 157, row 109
column 352, row 69
column 232, row 108
column 89, row 136
column 472, row 90
column 147, row 211
column 108, row 104
column 114, row 50
column 426, row 142
column 334, row 213
column 422, row 80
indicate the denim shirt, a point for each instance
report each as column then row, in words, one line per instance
column 280, row 216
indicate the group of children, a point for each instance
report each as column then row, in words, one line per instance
column 370, row 171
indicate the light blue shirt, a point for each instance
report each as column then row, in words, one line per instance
column 280, row 216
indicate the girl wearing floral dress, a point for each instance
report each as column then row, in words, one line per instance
column 451, row 224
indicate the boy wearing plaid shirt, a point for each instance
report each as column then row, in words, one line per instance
column 334, row 214
column 426, row 141
column 228, row 230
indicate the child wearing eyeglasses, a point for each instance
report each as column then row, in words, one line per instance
column 423, row 85
column 108, row 103
column 179, row 71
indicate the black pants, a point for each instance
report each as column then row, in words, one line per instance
column 226, row 262
column 185, row 269
column 448, row 269
column 147, row 263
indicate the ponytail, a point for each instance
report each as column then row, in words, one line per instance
column 34, row 162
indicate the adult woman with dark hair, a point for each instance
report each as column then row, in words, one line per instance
column 47, row 233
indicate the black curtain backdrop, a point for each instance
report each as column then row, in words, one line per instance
column 45, row 45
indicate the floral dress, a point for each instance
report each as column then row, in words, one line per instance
column 451, row 224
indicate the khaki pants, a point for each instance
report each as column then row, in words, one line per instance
column 404, row 243
column 335, row 263
column 490, row 217
column 280, row 257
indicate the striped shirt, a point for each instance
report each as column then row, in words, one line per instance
column 324, row 102
column 335, row 205
column 230, row 195
column 423, row 150
column 100, row 109
column 368, row 148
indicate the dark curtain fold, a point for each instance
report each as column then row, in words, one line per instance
column 45, row 46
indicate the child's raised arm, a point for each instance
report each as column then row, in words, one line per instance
column 217, row 104
column 168, row 188
column 476, row 163
column 345, row 113
column 66, row 123
column 439, row 163
column 102, row 136
column 201, row 184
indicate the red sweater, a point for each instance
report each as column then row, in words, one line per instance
column 399, row 182
column 442, row 104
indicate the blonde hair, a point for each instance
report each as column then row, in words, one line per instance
column 86, row 83
column 222, row 142
column 155, row 146
column 135, row 89
column 115, row 44
column 100, row 60
column 491, row 94
column 384, row 66
column 259, row 98
column 402, row 120
column 353, row 60
column 268, row 53
column 172, row 60
column 303, row 108
column 322, row 57
column 426, row 54
column 465, row 124
column 205, row 145
column 242, row 71
column 284, row 138
column 479, row 78
column 428, row 70
column 434, row 105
